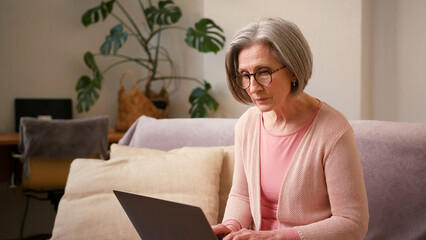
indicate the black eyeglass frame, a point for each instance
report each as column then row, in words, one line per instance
column 254, row 76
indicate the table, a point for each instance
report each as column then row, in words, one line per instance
column 9, row 139
column 12, row 139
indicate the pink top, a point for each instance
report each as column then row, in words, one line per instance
column 276, row 153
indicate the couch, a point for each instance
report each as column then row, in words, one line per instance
column 191, row 161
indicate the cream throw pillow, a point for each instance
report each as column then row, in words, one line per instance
column 225, row 176
column 89, row 209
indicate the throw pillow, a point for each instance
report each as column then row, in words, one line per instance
column 226, row 175
column 89, row 209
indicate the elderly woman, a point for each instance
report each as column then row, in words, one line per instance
column 297, row 170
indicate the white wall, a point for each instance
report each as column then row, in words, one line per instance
column 399, row 57
column 42, row 44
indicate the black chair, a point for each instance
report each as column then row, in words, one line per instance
column 46, row 150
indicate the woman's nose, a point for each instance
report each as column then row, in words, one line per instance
column 254, row 85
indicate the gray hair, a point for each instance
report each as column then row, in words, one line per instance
column 287, row 44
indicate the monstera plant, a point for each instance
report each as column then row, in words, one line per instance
column 205, row 36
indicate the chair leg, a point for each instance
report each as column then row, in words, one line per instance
column 45, row 236
column 21, row 234
column 14, row 165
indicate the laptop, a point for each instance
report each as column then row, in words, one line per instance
column 155, row 218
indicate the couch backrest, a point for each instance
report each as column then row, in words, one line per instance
column 168, row 134
column 393, row 156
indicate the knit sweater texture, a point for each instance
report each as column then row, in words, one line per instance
column 323, row 193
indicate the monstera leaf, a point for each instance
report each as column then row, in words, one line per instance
column 87, row 93
column 86, row 87
column 201, row 101
column 116, row 38
column 206, row 37
column 92, row 15
column 165, row 14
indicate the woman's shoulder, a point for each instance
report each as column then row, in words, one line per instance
column 329, row 113
column 331, row 120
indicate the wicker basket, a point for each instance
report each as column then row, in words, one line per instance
column 135, row 104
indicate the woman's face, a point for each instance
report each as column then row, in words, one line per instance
column 266, row 98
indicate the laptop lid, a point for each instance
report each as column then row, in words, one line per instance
column 156, row 219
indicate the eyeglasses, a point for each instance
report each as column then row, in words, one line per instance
column 263, row 77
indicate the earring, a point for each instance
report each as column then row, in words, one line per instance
column 293, row 84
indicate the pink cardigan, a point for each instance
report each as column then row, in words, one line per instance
column 323, row 194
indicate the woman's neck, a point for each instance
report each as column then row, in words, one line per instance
column 290, row 116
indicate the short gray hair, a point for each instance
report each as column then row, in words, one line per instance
column 287, row 44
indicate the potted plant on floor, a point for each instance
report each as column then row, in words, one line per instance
column 205, row 36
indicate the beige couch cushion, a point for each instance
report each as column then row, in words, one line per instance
column 89, row 209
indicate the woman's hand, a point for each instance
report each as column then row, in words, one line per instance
column 221, row 230
column 246, row 234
